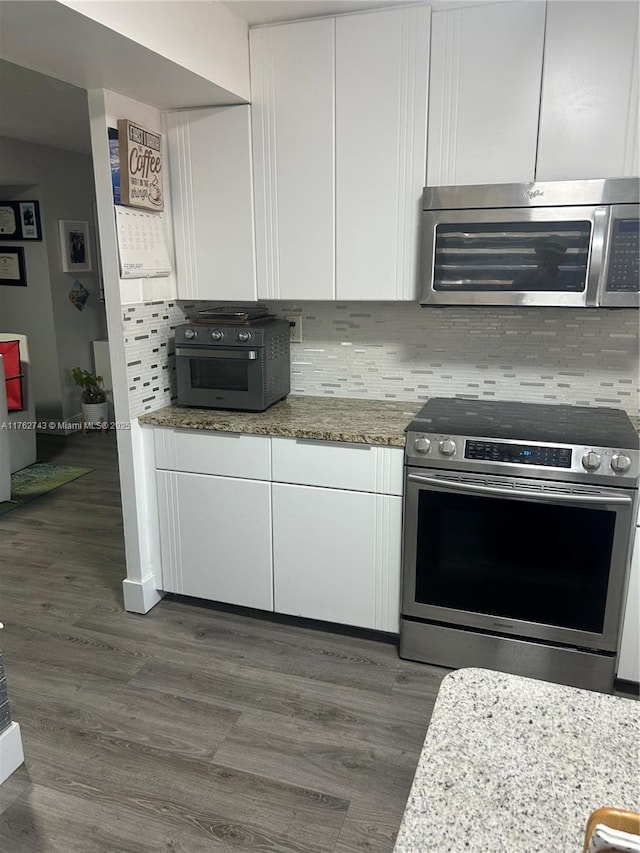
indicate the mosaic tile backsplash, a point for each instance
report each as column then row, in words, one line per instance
column 400, row 351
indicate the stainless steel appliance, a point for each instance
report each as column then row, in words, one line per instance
column 233, row 358
column 562, row 243
column 518, row 521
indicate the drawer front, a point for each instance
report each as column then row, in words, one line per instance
column 206, row 452
column 359, row 468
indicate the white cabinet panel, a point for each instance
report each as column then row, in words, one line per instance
column 484, row 93
column 589, row 111
column 339, row 466
column 212, row 193
column 382, row 72
column 629, row 658
column 202, row 452
column 293, row 106
column 337, row 556
column 205, row 549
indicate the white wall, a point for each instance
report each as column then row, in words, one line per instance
column 59, row 334
column 138, row 497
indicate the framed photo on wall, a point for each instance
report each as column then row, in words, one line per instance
column 74, row 246
column 20, row 220
column 12, row 266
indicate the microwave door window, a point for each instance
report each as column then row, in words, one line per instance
column 509, row 257
column 219, row 374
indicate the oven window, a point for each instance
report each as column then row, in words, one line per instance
column 219, row 374
column 529, row 256
column 516, row 559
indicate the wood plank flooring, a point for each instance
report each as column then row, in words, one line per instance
column 192, row 728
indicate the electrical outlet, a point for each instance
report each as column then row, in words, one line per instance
column 295, row 330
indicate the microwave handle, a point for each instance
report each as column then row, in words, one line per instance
column 548, row 497
column 599, row 253
column 240, row 354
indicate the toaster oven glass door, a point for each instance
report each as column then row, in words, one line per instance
column 220, row 377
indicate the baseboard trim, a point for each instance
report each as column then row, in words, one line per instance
column 141, row 596
column 11, row 752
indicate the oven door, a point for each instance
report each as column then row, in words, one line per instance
column 220, row 377
column 525, row 558
column 513, row 256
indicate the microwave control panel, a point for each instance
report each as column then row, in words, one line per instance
column 624, row 257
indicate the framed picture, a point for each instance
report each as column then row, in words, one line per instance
column 20, row 220
column 12, row 266
column 74, row 246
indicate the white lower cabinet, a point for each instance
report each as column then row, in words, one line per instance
column 305, row 528
column 336, row 555
column 629, row 658
column 215, row 537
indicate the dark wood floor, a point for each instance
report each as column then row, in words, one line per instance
column 189, row 729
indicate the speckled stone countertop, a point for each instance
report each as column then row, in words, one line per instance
column 515, row 765
column 320, row 418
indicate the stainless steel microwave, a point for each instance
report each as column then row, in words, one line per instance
column 559, row 243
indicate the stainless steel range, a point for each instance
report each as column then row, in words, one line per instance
column 518, row 525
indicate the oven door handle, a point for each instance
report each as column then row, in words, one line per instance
column 241, row 354
column 550, row 497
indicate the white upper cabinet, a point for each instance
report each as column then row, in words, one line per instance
column 292, row 91
column 484, row 93
column 382, row 72
column 212, row 197
column 589, row 112
column 339, row 144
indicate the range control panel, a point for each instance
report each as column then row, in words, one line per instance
column 624, row 258
column 521, row 454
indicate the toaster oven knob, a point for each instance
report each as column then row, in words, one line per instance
column 244, row 335
column 190, row 334
column 620, row 462
column 217, row 335
column 447, row 447
column 591, row 461
column 422, row 445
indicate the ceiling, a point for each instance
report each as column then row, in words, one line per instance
column 271, row 11
column 37, row 108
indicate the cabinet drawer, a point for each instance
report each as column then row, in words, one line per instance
column 204, row 452
column 359, row 468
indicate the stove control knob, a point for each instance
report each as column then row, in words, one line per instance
column 447, row 447
column 422, row 445
column 244, row 336
column 620, row 462
column 217, row 335
column 591, row 461
column 190, row 334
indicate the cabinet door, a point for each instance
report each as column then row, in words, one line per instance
column 589, row 110
column 212, row 194
column 629, row 658
column 337, row 555
column 484, row 93
column 382, row 72
column 215, row 538
column 292, row 85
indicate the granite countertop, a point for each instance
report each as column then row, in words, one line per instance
column 514, row 765
column 379, row 422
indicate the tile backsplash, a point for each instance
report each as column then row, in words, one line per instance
column 401, row 351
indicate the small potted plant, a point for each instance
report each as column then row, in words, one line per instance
column 93, row 398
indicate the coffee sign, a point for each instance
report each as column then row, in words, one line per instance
column 140, row 166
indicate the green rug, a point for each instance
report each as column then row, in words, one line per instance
column 37, row 480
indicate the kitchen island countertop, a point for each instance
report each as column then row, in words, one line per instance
column 378, row 422
column 513, row 765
